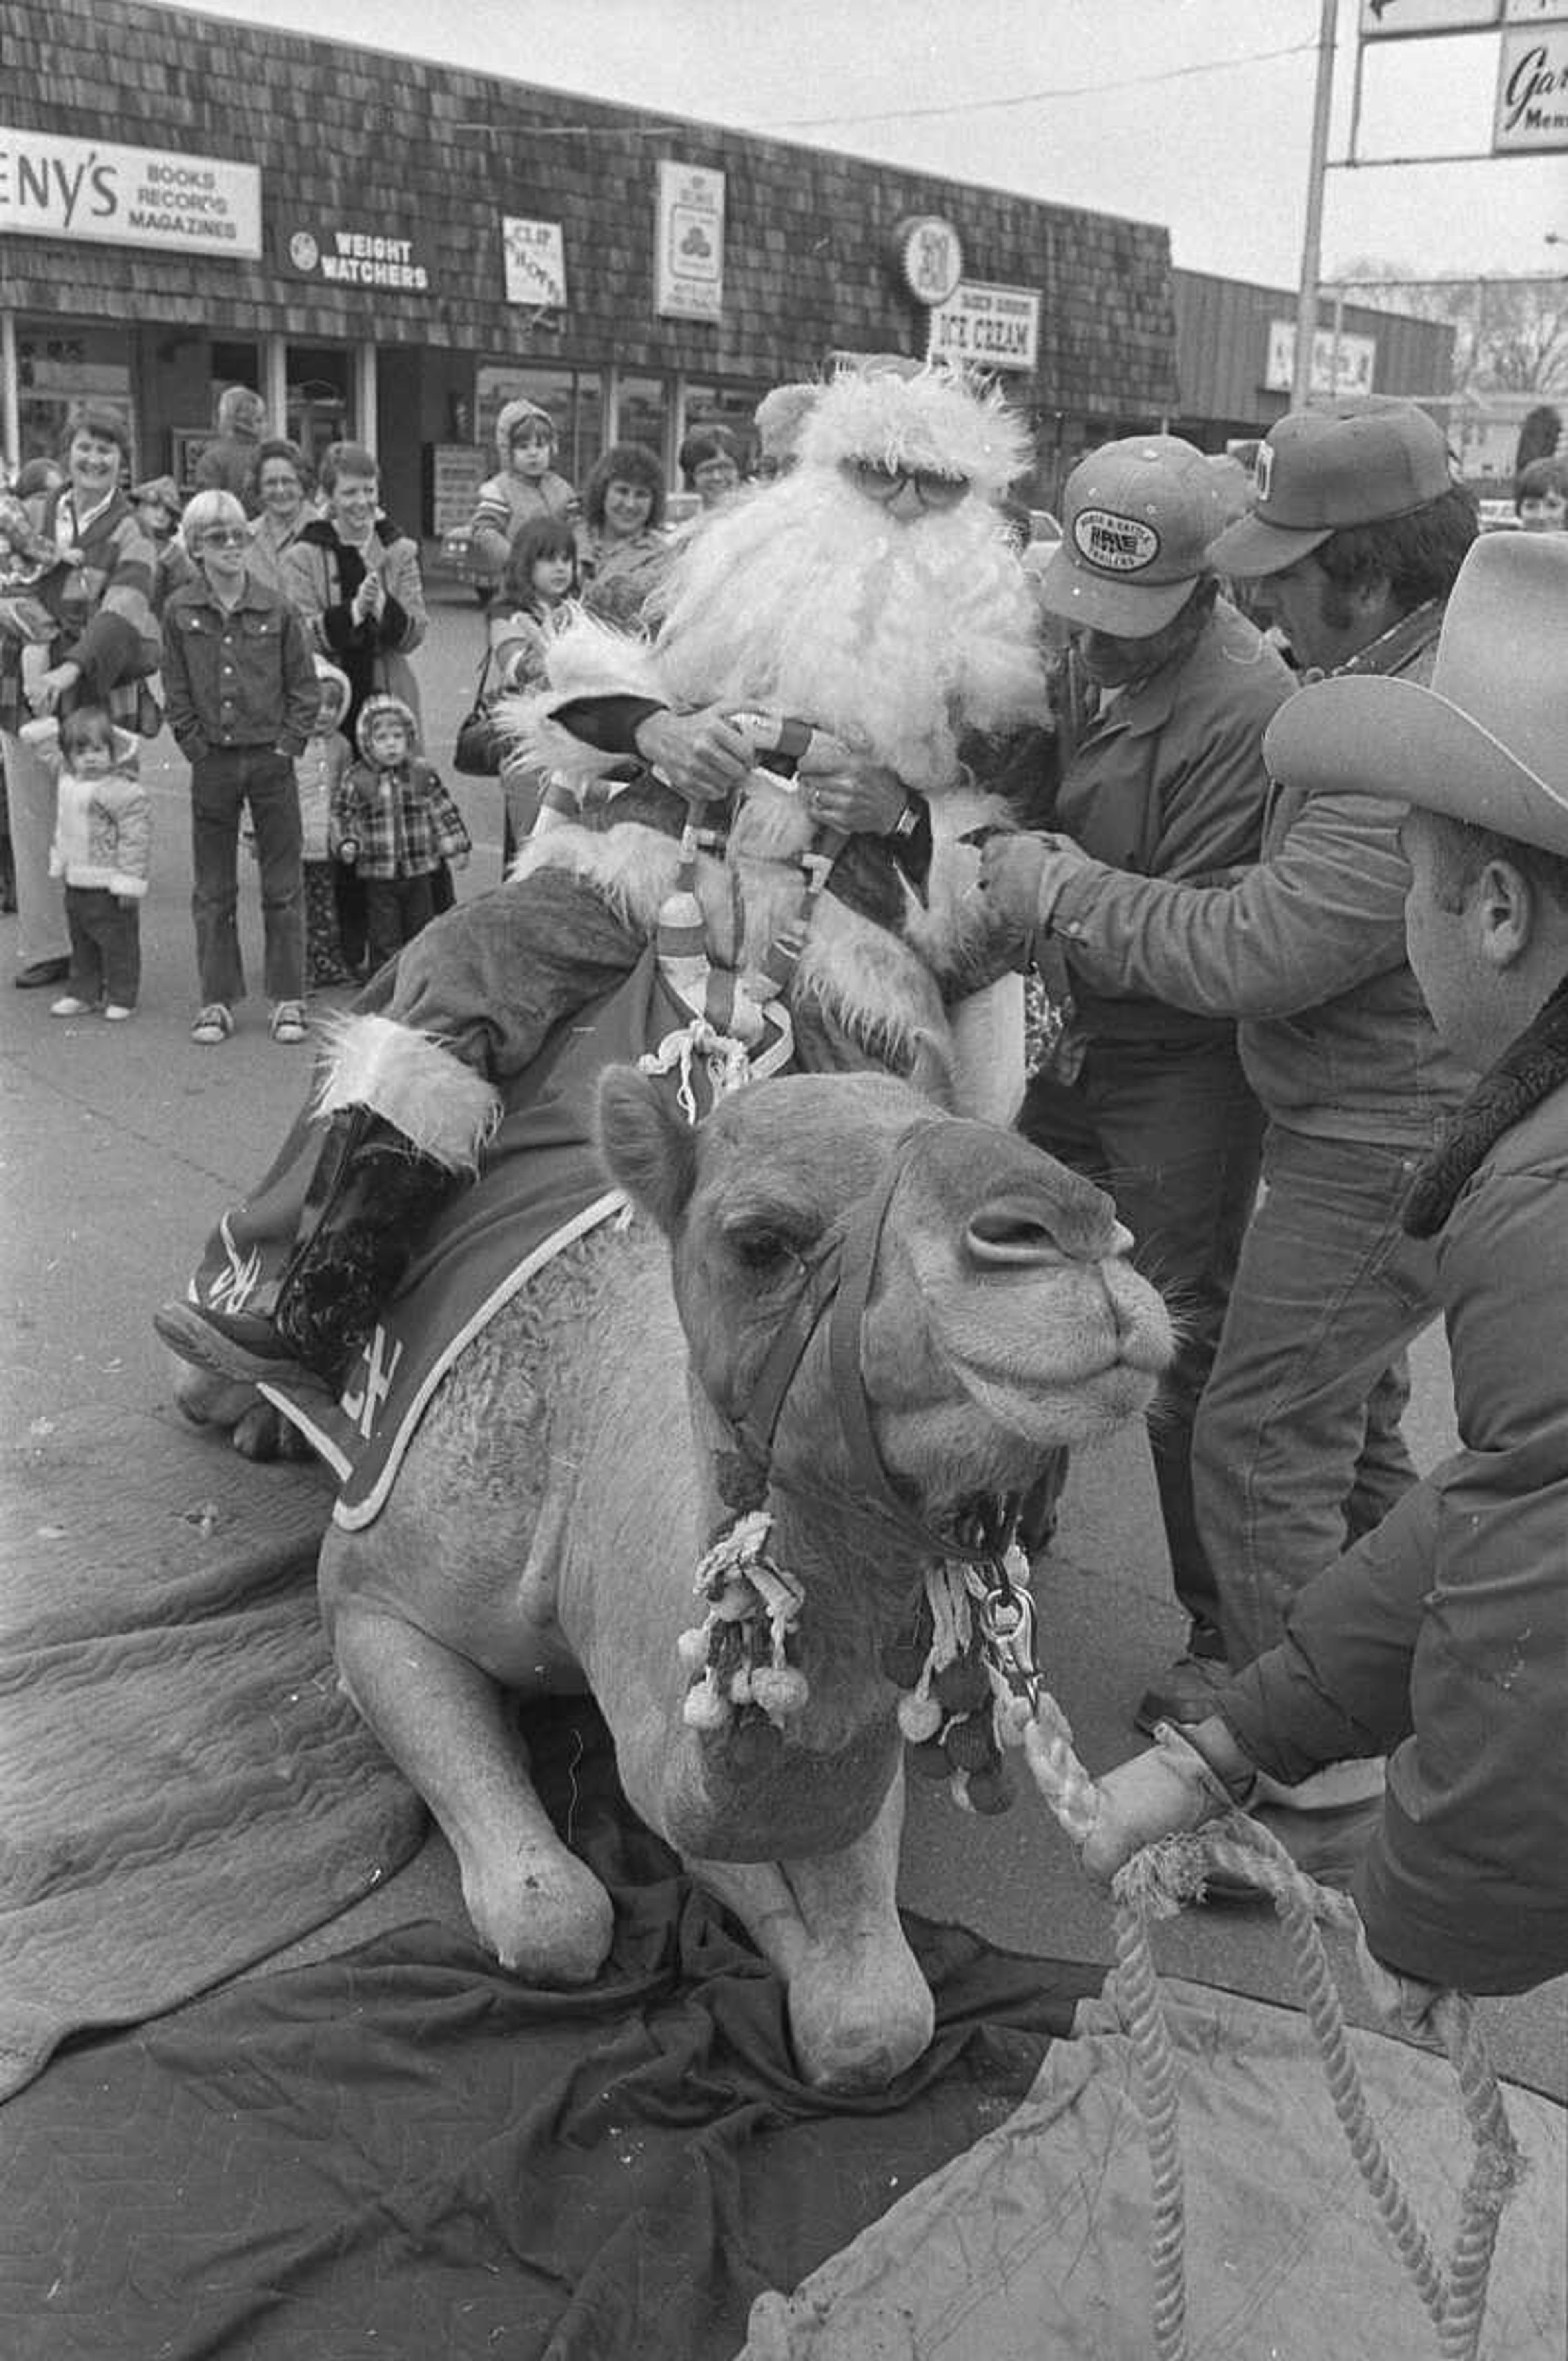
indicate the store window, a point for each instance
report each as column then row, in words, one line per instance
column 731, row 406
column 60, row 364
column 320, row 395
column 642, row 414
column 573, row 397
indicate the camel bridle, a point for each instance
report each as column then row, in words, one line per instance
column 837, row 1288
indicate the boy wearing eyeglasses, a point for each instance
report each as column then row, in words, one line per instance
column 240, row 688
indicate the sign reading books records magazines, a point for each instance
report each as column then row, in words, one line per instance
column 87, row 189
column 688, row 246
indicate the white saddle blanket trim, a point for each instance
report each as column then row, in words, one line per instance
column 366, row 1511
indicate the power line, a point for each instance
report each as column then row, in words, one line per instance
column 913, row 114
column 1038, row 97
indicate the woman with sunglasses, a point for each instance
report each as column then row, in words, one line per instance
column 240, row 686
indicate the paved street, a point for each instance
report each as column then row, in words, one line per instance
column 119, row 1146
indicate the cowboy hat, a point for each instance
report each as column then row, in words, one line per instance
column 1487, row 743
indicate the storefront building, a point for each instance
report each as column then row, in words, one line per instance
column 386, row 249
column 1236, row 356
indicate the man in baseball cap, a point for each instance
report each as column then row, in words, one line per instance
column 1297, row 1448
column 1443, row 1636
column 1357, row 522
column 1165, row 697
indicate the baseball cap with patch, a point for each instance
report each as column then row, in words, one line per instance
column 1139, row 517
column 1319, row 470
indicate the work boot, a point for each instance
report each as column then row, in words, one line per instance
column 373, row 1196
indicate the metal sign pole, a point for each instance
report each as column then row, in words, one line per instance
column 1312, row 244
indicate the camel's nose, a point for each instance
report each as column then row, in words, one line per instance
column 1019, row 1226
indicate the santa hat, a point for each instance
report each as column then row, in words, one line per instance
column 917, row 417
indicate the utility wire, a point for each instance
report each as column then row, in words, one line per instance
column 919, row 114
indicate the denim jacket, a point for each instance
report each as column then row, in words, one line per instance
column 242, row 676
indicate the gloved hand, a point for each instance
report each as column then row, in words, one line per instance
column 1170, row 1790
column 1404, row 2003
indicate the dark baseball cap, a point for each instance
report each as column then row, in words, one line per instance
column 1319, row 470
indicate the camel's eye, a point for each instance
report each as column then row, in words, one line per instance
column 764, row 1248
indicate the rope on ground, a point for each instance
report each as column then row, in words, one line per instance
column 1156, row 1884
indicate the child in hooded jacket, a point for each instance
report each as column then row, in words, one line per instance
column 103, row 850
column 319, row 772
column 394, row 822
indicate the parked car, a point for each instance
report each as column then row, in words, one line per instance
column 455, row 560
column 1044, row 539
column 1497, row 516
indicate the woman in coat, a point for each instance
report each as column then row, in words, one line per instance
column 354, row 580
column 101, row 595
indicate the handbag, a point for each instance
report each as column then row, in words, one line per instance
column 477, row 754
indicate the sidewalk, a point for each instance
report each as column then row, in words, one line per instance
column 122, row 1144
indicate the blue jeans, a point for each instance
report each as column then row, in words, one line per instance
column 1297, row 1450
column 1171, row 1130
column 221, row 785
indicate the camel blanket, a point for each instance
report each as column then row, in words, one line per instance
column 184, row 1787
column 541, row 1187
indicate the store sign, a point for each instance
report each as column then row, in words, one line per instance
column 1392, row 20
column 688, row 243
column 348, row 256
column 994, row 327
column 128, row 196
column 1342, row 365
column 1532, row 112
column 535, row 261
column 930, row 257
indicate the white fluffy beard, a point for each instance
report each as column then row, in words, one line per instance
column 809, row 599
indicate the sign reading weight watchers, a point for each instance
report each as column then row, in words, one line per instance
column 991, row 327
column 128, row 196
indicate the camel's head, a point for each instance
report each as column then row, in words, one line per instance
column 1001, row 1315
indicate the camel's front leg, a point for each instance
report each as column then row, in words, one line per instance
column 444, row 1724
column 860, row 2009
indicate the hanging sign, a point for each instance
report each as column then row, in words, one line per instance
column 86, row 189
column 930, row 257
column 991, row 327
column 534, row 260
column 1532, row 112
column 688, row 243
column 1392, row 20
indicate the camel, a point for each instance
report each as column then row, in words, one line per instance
column 577, row 1462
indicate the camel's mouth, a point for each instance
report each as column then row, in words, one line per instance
column 1066, row 1408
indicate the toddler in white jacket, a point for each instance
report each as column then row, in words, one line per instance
column 103, row 847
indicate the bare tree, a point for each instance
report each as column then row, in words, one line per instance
column 1510, row 333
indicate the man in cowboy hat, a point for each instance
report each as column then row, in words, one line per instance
column 1359, row 530
column 1442, row 1637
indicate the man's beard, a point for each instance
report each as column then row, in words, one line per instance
column 809, row 599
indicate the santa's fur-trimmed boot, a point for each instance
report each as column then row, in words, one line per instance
column 407, row 1124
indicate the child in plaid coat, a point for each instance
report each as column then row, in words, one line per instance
column 395, row 822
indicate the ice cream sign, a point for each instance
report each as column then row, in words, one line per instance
column 688, row 246
column 89, row 189
column 989, row 328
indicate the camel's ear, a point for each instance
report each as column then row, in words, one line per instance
column 646, row 1146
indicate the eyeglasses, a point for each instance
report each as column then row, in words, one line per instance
column 884, row 484
column 224, row 536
